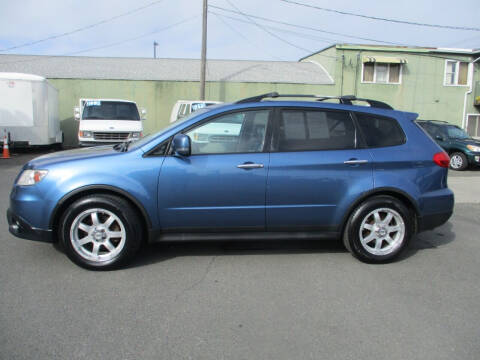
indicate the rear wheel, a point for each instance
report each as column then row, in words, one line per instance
column 100, row 232
column 458, row 161
column 379, row 229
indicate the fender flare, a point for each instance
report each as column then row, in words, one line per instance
column 92, row 188
column 379, row 191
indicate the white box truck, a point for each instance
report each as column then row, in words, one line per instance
column 108, row 121
column 29, row 110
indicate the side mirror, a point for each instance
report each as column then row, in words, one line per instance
column 181, row 145
column 76, row 113
column 143, row 113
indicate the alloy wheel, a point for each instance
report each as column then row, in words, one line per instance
column 456, row 162
column 382, row 231
column 97, row 235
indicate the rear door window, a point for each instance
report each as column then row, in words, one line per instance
column 310, row 130
column 380, row 131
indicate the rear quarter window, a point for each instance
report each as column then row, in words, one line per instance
column 380, row 131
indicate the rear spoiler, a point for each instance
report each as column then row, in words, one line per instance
column 410, row 115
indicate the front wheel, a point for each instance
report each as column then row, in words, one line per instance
column 378, row 229
column 100, row 232
column 458, row 161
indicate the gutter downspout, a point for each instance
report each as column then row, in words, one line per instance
column 341, row 84
column 356, row 74
column 470, row 89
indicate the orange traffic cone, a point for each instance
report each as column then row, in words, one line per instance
column 6, row 152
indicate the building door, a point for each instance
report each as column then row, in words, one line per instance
column 473, row 125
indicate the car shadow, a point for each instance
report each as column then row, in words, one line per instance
column 431, row 239
column 158, row 252
column 150, row 254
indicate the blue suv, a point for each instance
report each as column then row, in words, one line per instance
column 254, row 169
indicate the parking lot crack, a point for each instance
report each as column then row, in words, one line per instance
column 199, row 281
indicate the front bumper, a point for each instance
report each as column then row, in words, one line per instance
column 473, row 159
column 22, row 229
column 97, row 143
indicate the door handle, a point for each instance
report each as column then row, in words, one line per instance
column 249, row 165
column 355, row 161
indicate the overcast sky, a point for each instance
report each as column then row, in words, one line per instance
column 23, row 21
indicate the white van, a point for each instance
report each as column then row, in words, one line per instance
column 29, row 110
column 108, row 121
column 183, row 108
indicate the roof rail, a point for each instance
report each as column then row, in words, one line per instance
column 344, row 99
column 434, row 121
column 258, row 98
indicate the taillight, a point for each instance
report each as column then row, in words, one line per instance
column 441, row 159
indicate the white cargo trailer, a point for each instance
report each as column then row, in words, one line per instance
column 29, row 110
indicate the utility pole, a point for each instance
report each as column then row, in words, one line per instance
column 155, row 44
column 204, row 51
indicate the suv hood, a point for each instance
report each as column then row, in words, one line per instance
column 467, row 141
column 75, row 154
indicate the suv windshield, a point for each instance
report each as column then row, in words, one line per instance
column 110, row 110
column 456, row 133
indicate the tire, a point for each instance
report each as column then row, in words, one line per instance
column 100, row 232
column 458, row 161
column 379, row 229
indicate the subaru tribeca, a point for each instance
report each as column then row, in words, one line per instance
column 277, row 170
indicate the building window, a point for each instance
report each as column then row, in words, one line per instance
column 456, row 72
column 382, row 73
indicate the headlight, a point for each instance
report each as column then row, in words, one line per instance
column 473, row 148
column 136, row 135
column 31, row 177
column 86, row 134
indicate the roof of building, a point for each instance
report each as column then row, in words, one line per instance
column 80, row 67
column 407, row 49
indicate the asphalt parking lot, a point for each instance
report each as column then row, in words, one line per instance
column 277, row 300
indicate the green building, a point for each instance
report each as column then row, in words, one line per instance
column 440, row 84
column 437, row 83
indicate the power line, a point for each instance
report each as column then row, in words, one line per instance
column 319, row 54
column 104, row 46
column 451, row 27
column 133, row 38
column 296, row 33
column 268, row 31
column 220, row 17
column 82, row 28
column 308, row 27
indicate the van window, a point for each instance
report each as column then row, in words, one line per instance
column 182, row 111
column 109, row 110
